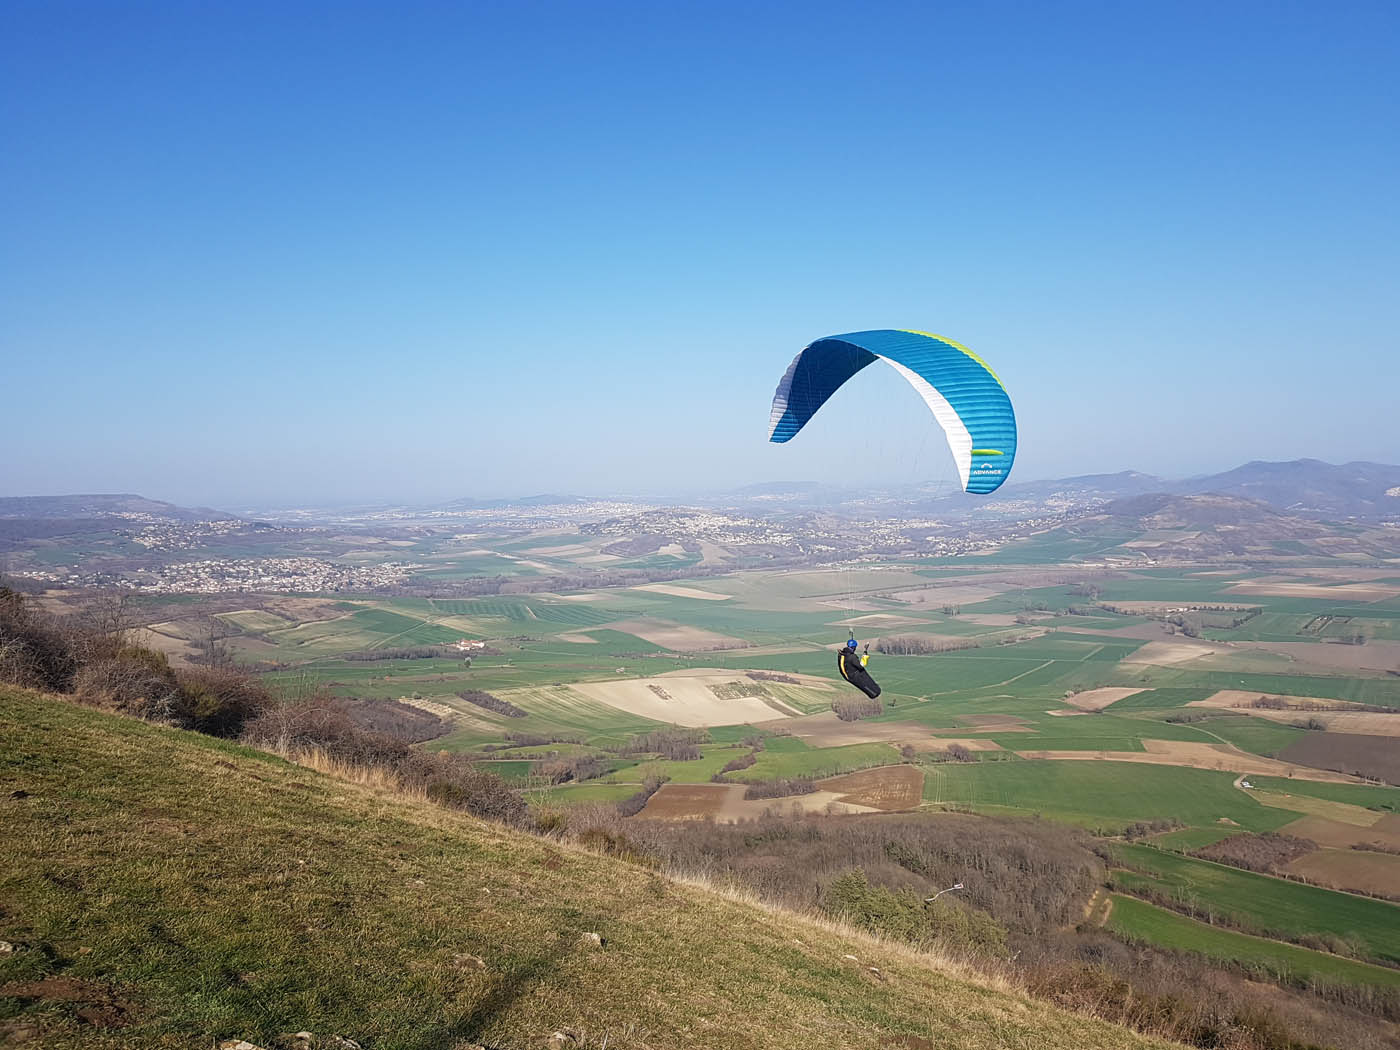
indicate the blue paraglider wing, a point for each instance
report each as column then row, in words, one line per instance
column 963, row 393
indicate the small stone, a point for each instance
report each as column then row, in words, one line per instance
column 238, row 1044
column 6, row 947
column 343, row 1043
column 561, row 1041
column 464, row 961
column 85, row 950
column 592, row 940
column 850, row 957
column 303, row 1037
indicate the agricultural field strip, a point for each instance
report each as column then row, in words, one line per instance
column 1140, row 921
column 1267, row 905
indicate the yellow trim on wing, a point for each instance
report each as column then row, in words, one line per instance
column 954, row 343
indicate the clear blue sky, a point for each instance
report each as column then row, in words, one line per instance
column 293, row 252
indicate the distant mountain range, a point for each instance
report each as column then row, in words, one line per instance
column 102, row 505
column 1307, row 488
column 1302, row 488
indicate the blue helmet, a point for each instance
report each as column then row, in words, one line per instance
column 851, row 644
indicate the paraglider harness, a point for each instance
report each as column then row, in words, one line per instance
column 852, row 668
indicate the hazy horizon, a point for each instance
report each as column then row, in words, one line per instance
column 331, row 254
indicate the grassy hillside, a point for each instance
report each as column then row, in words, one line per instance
column 162, row 888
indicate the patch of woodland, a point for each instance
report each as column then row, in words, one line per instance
column 854, row 707
column 675, row 743
column 1269, row 853
column 490, row 702
column 784, row 787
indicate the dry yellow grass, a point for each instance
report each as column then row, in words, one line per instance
column 1098, row 699
column 1168, row 654
column 677, row 591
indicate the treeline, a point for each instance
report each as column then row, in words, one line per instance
column 785, row 787
column 415, row 652
column 490, row 702
column 927, row 645
column 923, row 645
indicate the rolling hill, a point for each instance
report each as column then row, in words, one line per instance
column 162, row 888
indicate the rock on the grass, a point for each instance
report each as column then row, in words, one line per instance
column 561, row 1041
column 592, row 940
column 238, row 1044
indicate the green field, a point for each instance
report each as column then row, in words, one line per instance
column 1105, row 795
column 1263, row 904
column 1140, row 921
column 1258, row 736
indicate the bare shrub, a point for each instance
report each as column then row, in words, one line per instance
column 35, row 649
column 135, row 681
column 219, row 701
column 320, row 724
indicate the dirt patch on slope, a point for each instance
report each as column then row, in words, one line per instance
column 1351, row 869
column 98, row 1005
column 890, row 789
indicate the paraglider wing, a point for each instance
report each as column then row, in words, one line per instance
column 963, row 393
